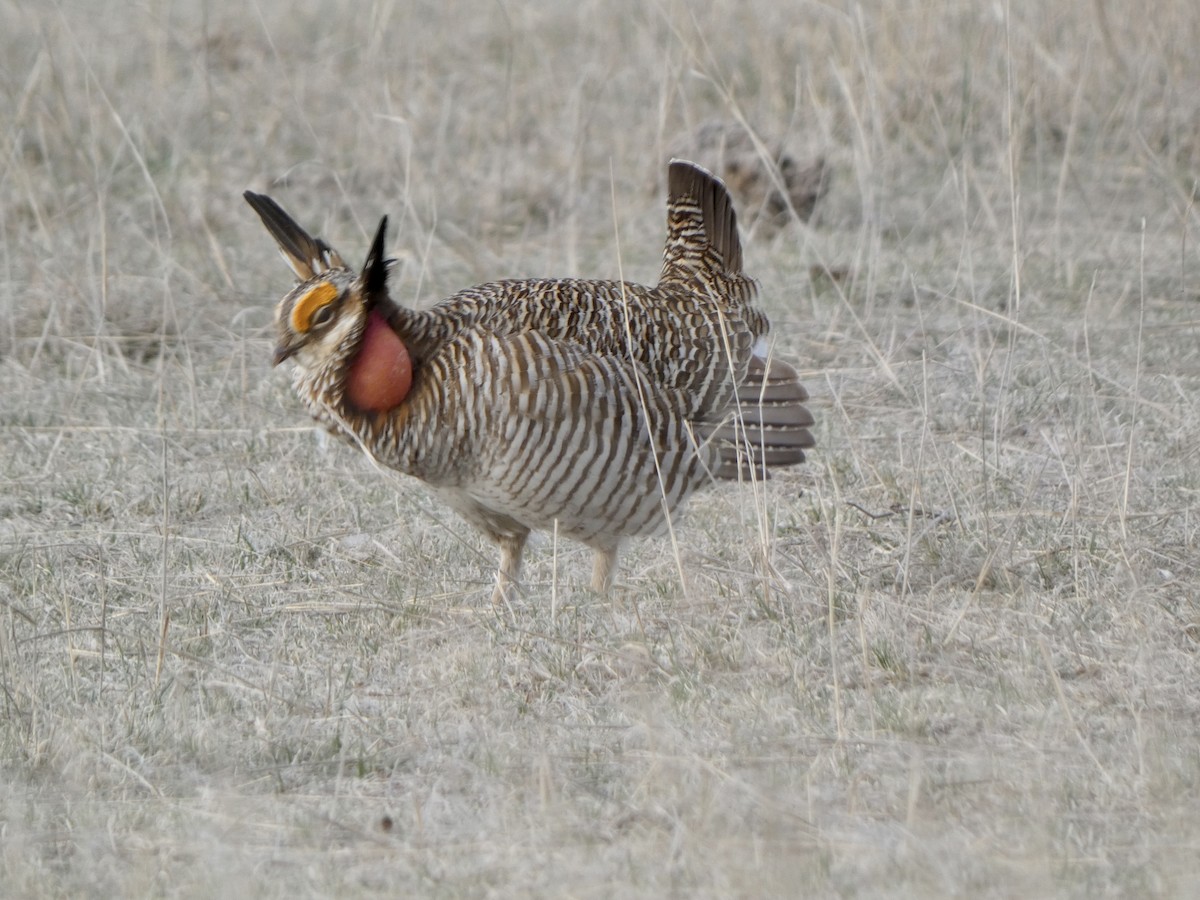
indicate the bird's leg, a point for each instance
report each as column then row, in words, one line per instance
column 511, row 548
column 604, row 566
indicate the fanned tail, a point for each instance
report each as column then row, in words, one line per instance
column 768, row 427
column 307, row 255
column 702, row 233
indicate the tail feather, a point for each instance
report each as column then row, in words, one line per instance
column 308, row 256
column 769, row 426
column 702, row 231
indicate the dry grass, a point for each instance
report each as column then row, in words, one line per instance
column 955, row 655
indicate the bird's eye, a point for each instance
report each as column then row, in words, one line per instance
column 322, row 316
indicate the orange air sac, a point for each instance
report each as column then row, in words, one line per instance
column 381, row 374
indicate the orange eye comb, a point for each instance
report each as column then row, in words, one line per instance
column 305, row 307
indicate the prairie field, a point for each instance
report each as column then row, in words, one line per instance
column 957, row 653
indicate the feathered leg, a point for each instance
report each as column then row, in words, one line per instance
column 512, row 546
column 604, row 566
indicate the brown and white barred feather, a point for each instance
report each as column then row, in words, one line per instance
column 597, row 405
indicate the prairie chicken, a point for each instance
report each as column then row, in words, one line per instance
column 597, row 405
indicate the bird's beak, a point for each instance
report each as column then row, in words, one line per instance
column 282, row 352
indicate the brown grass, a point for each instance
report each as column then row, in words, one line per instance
column 955, row 655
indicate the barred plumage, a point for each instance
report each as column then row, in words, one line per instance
column 598, row 406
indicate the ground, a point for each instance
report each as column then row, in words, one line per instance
column 953, row 655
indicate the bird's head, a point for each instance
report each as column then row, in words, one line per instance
column 328, row 324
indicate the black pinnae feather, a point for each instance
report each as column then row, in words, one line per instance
column 306, row 255
column 375, row 269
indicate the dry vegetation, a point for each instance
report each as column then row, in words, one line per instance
column 955, row 655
